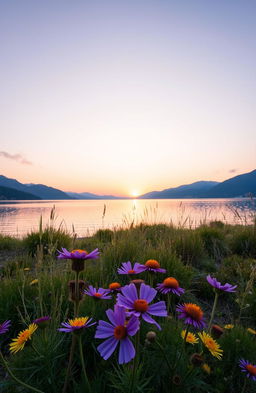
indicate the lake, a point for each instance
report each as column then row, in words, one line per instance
column 17, row 218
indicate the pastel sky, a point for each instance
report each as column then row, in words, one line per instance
column 122, row 97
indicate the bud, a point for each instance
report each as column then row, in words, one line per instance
column 216, row 331
column 176, row 380
column 72, row 290
column 151, row 336
column 196, row 359
column 42, row 322
column 137, row 283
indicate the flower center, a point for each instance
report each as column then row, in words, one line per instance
column 120, row 332
column 140, row 305
column 251, row 369
column 131, row 271
column 210, row 343
column 171, row 282
column 78, row 321
column 152, row 263
column 80, row 251
column 97, row 294
column 24, row 336
column 114, row 285
column 193, row 311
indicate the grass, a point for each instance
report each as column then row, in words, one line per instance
column 226, row 252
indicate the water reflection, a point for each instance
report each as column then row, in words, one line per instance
column 20, row 217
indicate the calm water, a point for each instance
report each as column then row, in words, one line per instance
column 17, row 218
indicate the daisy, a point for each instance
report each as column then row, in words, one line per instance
column 228, row 326
column 191, row 338
column 153, row 266
column 101, row 293
column 127, row 268
column 78, row 257
column 192, row 314
column 4, row 327
column 117, row 331
column 170, row 284
column 139, row 305
column 216, row 284
column 248, row 368
column 211, row 345
column 75, row 325
column 25, row 335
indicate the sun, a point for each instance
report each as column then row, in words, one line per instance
column 134, row 193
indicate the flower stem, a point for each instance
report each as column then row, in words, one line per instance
column 76, row 304
column 135, row 360
column 184, row 347
column 36, row 351
column 244, row 386
column 17, row 379
column 213, row 310
column 83, row 365
column 165, row 356
column 71, row 354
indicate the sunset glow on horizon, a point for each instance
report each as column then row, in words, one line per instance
column 126, row 97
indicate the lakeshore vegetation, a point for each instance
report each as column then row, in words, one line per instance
column 187, row 323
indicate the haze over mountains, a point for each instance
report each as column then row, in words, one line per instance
column 237, row 186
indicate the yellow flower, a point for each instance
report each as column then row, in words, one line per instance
column 191, row 338
column 250, row 330
column 33, row 282
column 211, row 345
column 26, row 269
column 206, row 368
column 25, row 335
column 229, row 326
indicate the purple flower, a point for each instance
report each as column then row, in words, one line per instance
column 42, row 322
column 117, row 332
column 75, row 325
column 139, row 306
column 4, row 327
column 101, row 293
column 192, row 314
column 78, row 254
column 216, row 284
column 248, row 368
column 128, row 269
column 170, row 284
column 153, row 266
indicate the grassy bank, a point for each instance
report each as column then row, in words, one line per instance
column 34, row 283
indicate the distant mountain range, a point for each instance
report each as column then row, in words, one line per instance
column 238, row 186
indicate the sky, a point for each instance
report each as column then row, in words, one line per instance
column 126, row 97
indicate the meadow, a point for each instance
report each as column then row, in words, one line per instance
column 35, row 283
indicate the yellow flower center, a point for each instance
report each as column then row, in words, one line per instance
column 120, row 332
column 78, row 321
column 251, row 369
column 140, row 305
column 171, row 282
column 152, row 263
column 194, row 311
column 114, row 285
column 23, row 337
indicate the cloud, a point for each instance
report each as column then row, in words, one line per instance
column 16, row 157
column 232, row 170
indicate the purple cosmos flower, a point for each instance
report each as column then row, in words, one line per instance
column 170, row 284
column 192, row 314
column 248, row 368
column 101, row 293
column 117, row 331
column 78, row 254
column 216, row 284
column 139, row 306
column 128, row 269
column 153, row 266
column 4, row 327
column 42, row 322
column 74, row 325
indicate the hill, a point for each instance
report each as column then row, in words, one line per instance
column 7, row 193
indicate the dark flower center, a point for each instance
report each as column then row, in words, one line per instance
column 152, row 264
column 131, row 271
column 120, row 332
column 97, row 294
column 140, row 305
column 114, row 285
column 193, row 311
column 171, row 282
column 80, row 251
column 251, row 369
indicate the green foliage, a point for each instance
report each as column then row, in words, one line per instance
column 243, row 242
column 48, row 241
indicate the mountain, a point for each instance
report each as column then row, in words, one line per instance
column 7, row 193
column 89, row 195
column 237, row 186
column 194, row 190
column 39, row 190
